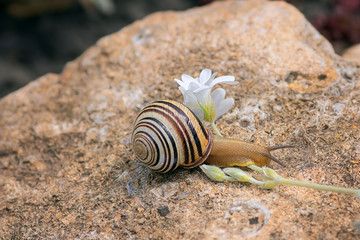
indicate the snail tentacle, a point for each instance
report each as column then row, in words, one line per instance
column 280, row 147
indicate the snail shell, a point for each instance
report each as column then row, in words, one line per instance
column 167, row 135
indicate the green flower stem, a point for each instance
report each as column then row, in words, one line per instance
column 319, row 186
column 214, row 128
column 280, row 180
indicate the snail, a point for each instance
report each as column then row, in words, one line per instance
column 167, row 134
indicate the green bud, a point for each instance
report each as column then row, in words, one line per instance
column 238, row 174
column 270, row 173
column 213, row 172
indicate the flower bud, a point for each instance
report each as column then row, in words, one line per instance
column 238, row 174
column 213, row 172
column 270, row 173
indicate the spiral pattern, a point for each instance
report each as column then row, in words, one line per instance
column 167, row 135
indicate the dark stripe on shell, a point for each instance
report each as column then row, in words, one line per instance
column 164, row 144
column 170, row 137
column 188, row 121
column 152, row 152
column 205, row 132
column 175, row 121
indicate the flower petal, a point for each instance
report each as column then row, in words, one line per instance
column 204, row 76
column 210, row 80
column 189, row 99
column 181, row 83
column 218, row 95
column 198, row 112
column 194, row 86
column 203, row 96
column 224, row 79
column 193, row 104
column 201, row 88
column 223, row 107
column 186, row 78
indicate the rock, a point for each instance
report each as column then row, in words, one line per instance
column 163, row 211
column 67, row 169
column 352, row 53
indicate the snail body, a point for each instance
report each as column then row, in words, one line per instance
column 167, row 135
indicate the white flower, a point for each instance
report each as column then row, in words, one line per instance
column 205, row 80
column 207, row 105
column 222, row 105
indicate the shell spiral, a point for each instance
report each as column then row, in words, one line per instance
column 167, row 135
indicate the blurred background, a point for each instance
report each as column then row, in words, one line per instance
column 40, row 36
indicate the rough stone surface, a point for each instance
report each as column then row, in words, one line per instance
column 352, row 53
column 67, row 170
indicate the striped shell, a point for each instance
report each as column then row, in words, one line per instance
column 167, row 135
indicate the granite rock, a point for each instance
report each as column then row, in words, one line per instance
column 66, row 166
column 352, row 53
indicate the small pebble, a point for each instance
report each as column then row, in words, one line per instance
column 163, row 211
